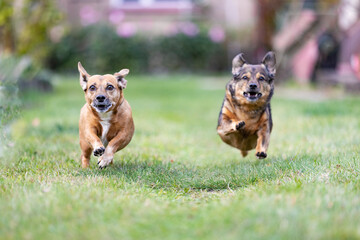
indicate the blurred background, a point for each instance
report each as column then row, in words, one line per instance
column 315, row 41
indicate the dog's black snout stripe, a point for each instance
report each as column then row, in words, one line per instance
column 100, row 98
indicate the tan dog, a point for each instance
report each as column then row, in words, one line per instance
column 106, row 124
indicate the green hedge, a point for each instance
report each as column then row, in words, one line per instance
column 101, row 50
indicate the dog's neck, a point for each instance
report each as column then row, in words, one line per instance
column 106, row 116
column 120, row 102
column 252, row 111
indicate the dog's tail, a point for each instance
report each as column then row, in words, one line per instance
column 244, row 153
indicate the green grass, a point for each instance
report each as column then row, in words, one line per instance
column 176, row 179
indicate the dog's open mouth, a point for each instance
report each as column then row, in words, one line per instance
column 252, row 96
column 102, row 107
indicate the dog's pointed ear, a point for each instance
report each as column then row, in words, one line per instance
column 84, row 76
column 237, row 63
column 270, row 63
column 120, row 76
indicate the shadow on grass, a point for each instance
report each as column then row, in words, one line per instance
column 167, row 175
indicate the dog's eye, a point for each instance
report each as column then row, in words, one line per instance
column 245, row 78
column 92, row 88
column 110, row 87
column 261, row 78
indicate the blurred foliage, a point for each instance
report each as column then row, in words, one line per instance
column 190, row 53
column 24, row 29
column 37, row 18
column 25, row 26
column 18, row 73
column 100, row 49
column 6, row 11
column 10, row 70
column 6, row 25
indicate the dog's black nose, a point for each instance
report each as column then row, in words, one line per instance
column 252, row 85
column 100, row 98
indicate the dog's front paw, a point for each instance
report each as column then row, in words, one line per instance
column 261, row 155
column 240, row 125
column 99, row 151
column 104, row 161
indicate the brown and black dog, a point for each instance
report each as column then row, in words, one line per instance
column 106, row 124
column 245, row 117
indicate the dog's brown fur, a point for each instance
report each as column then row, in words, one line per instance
column 106, row 124
column 245, row 117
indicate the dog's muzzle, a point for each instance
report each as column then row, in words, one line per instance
column 101, row 103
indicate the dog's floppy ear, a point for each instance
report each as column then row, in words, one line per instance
column 237, row 63
column 270, row 63
column 84, row 76
column 120, row 76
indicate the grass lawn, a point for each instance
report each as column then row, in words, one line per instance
column 177, row 179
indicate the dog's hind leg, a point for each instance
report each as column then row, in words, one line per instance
column 85, row 155
column 85, row 160
column 263, row 141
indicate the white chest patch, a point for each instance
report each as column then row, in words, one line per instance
column 105, row 124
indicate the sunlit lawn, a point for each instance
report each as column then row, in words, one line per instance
column 176, row 179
